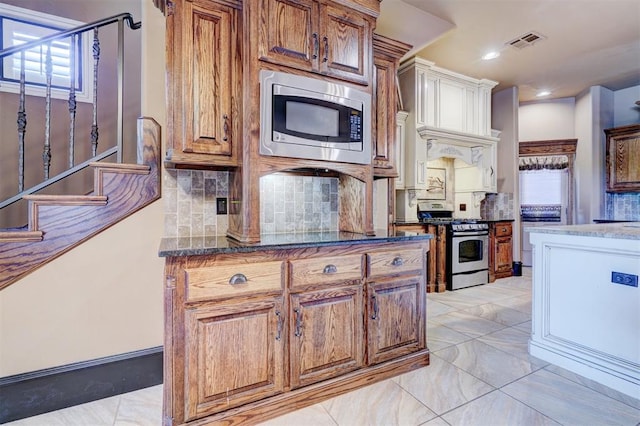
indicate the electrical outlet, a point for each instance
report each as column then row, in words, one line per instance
column 625, row 279
column 463, row 207
column 221, row 205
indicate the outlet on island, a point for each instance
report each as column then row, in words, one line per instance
column 221, row 205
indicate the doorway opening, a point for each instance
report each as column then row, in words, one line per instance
column 546, row 187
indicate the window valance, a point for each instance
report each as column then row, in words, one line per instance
column 548, row 162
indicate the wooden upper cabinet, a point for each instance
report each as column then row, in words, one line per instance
column 204, row 65
column 290, row 35
column 317, row 36
column 386, row 54
column 623, row 159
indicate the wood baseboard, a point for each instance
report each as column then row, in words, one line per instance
column 38, row 392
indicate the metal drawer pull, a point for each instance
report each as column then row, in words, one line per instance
column 398, row 261
column 316, row 45
column 504, row 229
column 225, row 127
column 326, row 49
column 375, row 307
column 238, row 279
column 330, row 269
column 280, row 321
column 298, row 331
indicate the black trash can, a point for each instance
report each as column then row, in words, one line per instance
column 517, row 269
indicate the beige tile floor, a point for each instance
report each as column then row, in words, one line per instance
column 480, row 374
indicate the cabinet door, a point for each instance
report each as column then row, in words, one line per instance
column 234, row 355
column 208, row 47
column 385, row 114
column 345, row 43
column 504, row 257
column 290, row 33
column 326, row 336
column 396, row 314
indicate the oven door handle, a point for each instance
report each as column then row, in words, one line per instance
column 469, row 233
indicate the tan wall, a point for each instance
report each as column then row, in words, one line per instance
column 104, row 297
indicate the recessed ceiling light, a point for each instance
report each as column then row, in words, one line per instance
column 543, row 93
column 491, row 55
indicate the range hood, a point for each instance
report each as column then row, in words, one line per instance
column 442, row 143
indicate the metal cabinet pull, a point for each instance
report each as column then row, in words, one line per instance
column 225, row 127
column 238, row 279
column 280, row 322
column 316, row 45
column 398, row 261
column 298, row 331
column 375, row 307
column 325, row 58
column 330, row 269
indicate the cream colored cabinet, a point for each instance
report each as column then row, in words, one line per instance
column 318, row 36
column 401, row 124
column 449, row 116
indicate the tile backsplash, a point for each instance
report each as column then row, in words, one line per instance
column 290, row 203
column 497, row 206
column 622, row 206
column 190, row 202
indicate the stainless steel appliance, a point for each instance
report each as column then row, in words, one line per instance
column 467, row 246
column 309, row 118
column 467, row 255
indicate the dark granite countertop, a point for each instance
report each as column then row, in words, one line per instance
column 194, row 246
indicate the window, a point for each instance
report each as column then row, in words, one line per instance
column 20, row 26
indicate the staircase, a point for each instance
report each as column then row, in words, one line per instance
column 57, row 223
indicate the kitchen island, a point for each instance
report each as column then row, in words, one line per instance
column 586, row 301
column 255, row 331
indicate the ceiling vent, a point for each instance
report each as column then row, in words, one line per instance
column 526, row 40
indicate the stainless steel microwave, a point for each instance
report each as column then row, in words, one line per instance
column 309, row 118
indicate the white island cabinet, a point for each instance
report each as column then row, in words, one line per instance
column 586, row 301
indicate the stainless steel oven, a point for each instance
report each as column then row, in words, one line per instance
column 467, row 255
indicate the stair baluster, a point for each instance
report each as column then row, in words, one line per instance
column 46, row 152
column 94, row 125
column 22, row 126
column 72, row 99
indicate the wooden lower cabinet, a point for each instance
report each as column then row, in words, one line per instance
column 325, row 331
column 216, row 376
column 500, row 250
column 395, row 318
column 291, row 327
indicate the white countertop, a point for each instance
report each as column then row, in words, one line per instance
column 623, row 230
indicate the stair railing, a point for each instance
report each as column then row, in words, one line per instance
column 72, row 168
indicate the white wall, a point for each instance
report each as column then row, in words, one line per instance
column 624, row 105
column 104, row 297
column 546, row 120
column 506, row 118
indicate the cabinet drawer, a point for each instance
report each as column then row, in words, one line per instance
column 503, row 229
column 327, row 269
column 392, row 262
column 232, row 280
